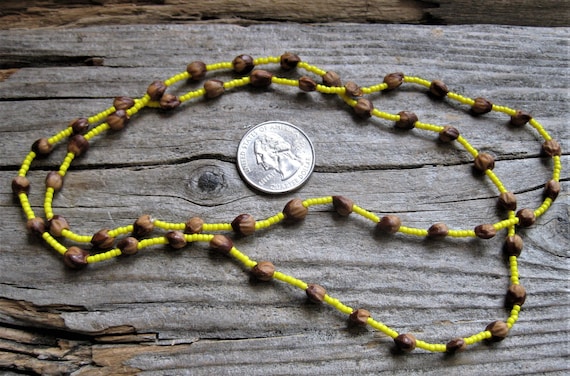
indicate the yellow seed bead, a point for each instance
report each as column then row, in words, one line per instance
column 495, row 179
column 504, row 109
column 290, row 280
column 192, row 95
column 97, row 131
column 543, row 208
column 382, row 327
column 536, row 125
column 428, row 127
column 217, row 227
column 468, row 146
column 267, row 60
column 317, row 201
column 121, row 231
column 505, row 223
column 417, row 80
column 365, row 213
column 433, row 347
column 66, row 163
column 244, row 259
column 385, row 115
column 26, row 163
column 60, row 136
column 413, row 231
column 285, row 81
column 54, row 243
column 76, row 237
column 375, row 88
column 460, row 98
column 104, row 256
column 26, row 207
column 198, row 237
column 337, row 304
column 311, row 68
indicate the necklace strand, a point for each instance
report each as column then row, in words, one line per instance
column 128, row 240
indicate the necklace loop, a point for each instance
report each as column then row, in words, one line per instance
column 126, row 240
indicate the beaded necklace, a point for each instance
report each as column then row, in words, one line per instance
column 128, row 240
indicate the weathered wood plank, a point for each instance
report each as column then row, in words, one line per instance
column 51, row 13
column 196, row 312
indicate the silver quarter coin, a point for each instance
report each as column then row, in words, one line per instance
column 275, row 157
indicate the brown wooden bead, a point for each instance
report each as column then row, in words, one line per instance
column 316, row 293
column 455, row 345
column 484, row 161
column 155, row 90
column 54, row 180
column 485, row 231
column 513, row 245
column 394, row 80
column 552, row 189
column 364, row 108
column 123, row 103
column 222, row 244
column 405, row 342
column 194, row 225
column 360, row 316
column 128, row 246
column 243, row 64
column 117, row 120
column 295, row 210
column 289, row 61
column 343, row 205
column 389, row 224
column 143, row 226
column 260, row 78
column 516, row 295
column 520, row 118
column 197, row 70
column 214, row 88
column 448, row 134
column 481, row 106
column 551, row 148
column 36, row 226
column 498, row 329
column 20, row 184
column 508, row 200
column 57, row 224
column 244, row 224
column 176, row 239
column 169, row 102
column 79, row 126
column 42, row 147
column 353, row 90
column 407, row 120
column 438, row 231
column 102, row 240
column 526, row 217
column 307, row 84
column 78, row 145
column 438, row 89
column 332, row 78
column 75, row 257
column 263, row 270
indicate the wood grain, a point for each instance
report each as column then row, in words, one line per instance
column 52, row 13
column 196, row 312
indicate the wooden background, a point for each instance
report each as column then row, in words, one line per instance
column 193, row 312
column 46, row 13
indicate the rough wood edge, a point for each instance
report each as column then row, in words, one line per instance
column 50, row 13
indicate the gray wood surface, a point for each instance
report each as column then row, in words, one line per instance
column 194, row 312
